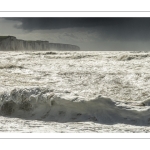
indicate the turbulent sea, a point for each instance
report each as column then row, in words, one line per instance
column 54, row 91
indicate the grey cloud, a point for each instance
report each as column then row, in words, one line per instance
column 122, row 29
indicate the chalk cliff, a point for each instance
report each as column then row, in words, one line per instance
column 12, row 43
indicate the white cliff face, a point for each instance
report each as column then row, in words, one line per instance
column 11, row 43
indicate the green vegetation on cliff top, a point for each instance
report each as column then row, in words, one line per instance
column 3, row 37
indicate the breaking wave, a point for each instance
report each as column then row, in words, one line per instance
column 9, row 66
column 45, row 104
column 132, row 57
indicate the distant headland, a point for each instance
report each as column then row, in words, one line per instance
column 12, row 43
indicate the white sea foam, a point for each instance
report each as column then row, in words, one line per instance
column 44, row 104
column 66, row 87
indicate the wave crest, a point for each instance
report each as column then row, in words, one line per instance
column 45, row 104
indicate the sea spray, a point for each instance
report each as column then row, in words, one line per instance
column 45, row 104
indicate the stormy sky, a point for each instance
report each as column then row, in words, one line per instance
column 88, row 33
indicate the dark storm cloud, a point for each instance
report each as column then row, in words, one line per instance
column 108, row 28
column 58, row 23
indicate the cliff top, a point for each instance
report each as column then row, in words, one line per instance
column 3, row 37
